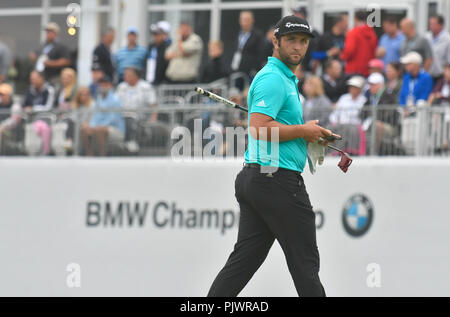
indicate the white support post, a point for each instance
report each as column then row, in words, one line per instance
column 87, row 40
column 45, row 17
column 215, row 21
column 135, row 14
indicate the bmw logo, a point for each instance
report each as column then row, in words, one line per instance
column 357, row 215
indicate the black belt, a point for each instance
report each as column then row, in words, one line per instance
column 258, row 166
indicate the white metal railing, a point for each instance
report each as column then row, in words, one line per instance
column 382, row 130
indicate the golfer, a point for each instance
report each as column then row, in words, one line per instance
column 273, row 202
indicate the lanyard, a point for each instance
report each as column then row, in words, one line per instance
column 412, row 84
column 243, row 38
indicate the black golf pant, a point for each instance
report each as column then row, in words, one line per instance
column 272, row 206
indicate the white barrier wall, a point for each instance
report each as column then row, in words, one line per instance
column 155, row 227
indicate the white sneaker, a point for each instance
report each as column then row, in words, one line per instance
column 132, row 146
column 68, row 144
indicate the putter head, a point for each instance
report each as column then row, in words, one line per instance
column 345, row 162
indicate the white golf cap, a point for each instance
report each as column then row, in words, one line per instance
column 411, row 57
column 52, row 26
column 356, row 81
column 160, row 27
column 375, row 78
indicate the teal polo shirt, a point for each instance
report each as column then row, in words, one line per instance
column 274, row 92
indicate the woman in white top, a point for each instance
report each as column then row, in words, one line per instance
column 348, row 107
column 346, row 121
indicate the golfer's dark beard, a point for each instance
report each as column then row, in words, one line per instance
column 286, row 59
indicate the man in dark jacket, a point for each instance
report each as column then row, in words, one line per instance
column 250, row 46
column 102, row 54
column 215, row 68
column 334, row 81
column 54, row 56
column 156, row 63
column 40, row 96
column 360, row 45
column 331, row 43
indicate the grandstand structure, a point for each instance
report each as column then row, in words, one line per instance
column 422, row 134
column 212, row 19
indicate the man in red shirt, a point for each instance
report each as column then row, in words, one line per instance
column 360, row 45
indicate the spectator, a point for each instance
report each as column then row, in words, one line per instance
column 417, row 84
column 134, row 92
column 102, row 54
column 130, row 55
column 332, row 43
column 334, row 80
column 440, row 43
column 215, row 68
column 302, row 12
column 390, row 42
column 68, row 89
column 104, row 126
column 83, row 100
column 416, row 43
column 9, row 122
column 268, row 45
column 6, row 101
column 345, row 119
column 317, row 105
column 394, row 81
column 82, row 103
column 62, row 130
column 249, row 47
column 40, row 96
column 376, row 66
column 387, row 118
column 97, row 74
column 348, row 107
column 359, row 47
column 441, row 91
column 300, row 74
column 156, row 61
column 184, row 56
column 5, row 61
column 54, row 56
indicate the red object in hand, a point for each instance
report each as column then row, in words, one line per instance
column 345, row 162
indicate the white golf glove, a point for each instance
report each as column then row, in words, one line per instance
column 316, row 154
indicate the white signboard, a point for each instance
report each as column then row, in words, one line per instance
column 155, row 227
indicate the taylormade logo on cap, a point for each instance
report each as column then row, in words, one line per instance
column 291, row 25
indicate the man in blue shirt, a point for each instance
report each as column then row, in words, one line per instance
column 417, row 84
column 270, row 190
column 106, row 125
column 390, row 42
column 130, row 55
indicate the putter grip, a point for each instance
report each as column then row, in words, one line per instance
column 201, row 91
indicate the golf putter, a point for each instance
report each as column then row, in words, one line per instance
column 346, row 161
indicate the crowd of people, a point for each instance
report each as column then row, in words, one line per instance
column 345, row 73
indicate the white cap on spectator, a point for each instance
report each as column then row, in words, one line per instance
column 375, row 78
column 160, row 27
column 411, row 57
column 356, row 81
column 52, row 26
